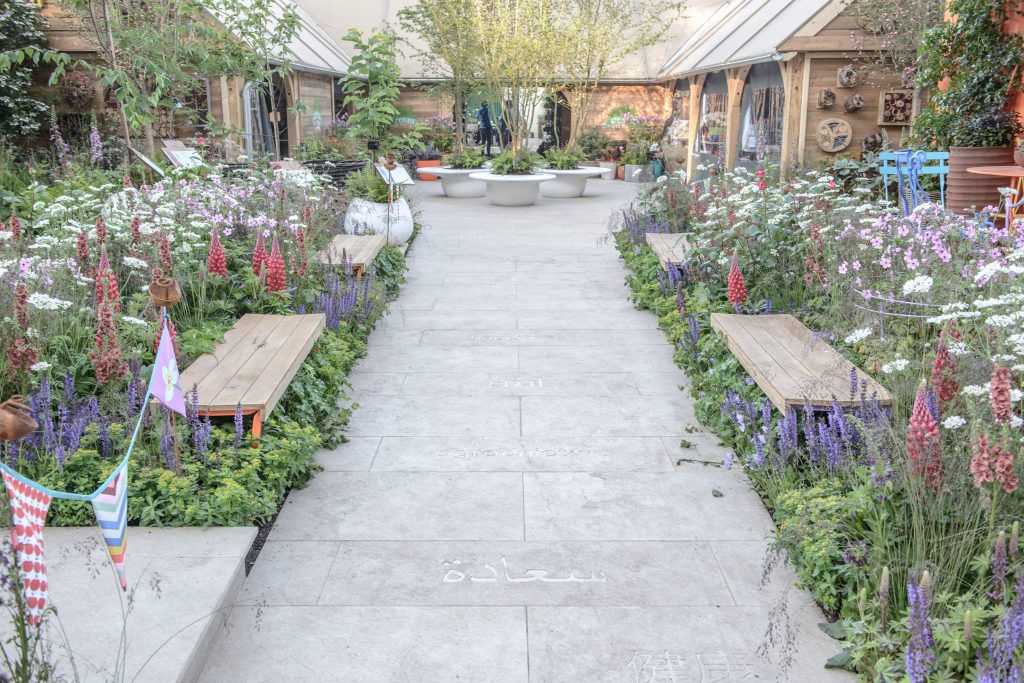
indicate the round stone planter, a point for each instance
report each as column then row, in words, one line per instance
column 366, row 217
column 456, row 183
column 570, row 183
column 512, row 190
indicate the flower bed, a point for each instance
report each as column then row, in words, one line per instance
column 903, row 523
column 80, row 333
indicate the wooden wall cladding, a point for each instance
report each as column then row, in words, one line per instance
column 864, row 120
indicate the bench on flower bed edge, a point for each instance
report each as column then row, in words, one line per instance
column 671, row 247
column 790, row 365
column 359, row 250
column 253, row 365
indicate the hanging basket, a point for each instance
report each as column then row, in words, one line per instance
column 164, row 292
column 15, row 420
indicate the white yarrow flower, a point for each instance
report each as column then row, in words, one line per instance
column 858, row 335
column 40, row 366
column 954, row 422
column 897, row 365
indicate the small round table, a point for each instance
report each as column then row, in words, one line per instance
column 1016, row 176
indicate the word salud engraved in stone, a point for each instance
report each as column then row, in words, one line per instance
column 467, row 454
column 533, row 383
column 716, row 667
column 455, row 575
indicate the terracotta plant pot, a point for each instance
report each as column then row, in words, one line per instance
column 164, row 291
column 620, row 172
column 427, row 163
column 967, row 193
column 1018, row 156
column 15, row 420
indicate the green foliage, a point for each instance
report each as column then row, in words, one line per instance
column 561, row 159
column 810, row 525
column 367, row 184
column 985, row 70
column 465, row 158
column 592, row 143
column 21, row 30
column 511, row 163
column 372, row 89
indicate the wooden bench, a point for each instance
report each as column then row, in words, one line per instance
column 253, row 365
column 359, row 249
column 791, row 366
column 671, row 247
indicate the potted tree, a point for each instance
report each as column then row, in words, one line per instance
column 455, row 174
column 513, row 179
column 570, row 178
column 634, row 160
column 979, row 65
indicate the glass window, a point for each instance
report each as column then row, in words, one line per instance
column 761, row 117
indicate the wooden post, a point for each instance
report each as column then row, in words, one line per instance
column 696, row 88
column 793, row 113
column 736, row 78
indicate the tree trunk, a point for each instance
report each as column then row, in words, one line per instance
column 150, row 141
column 460, row 124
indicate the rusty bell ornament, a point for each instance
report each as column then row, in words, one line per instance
column 15, row 419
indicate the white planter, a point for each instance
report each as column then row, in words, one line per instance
column 456, row 183
column 638, row 173
column 568, row 184
column 512, row 190
column 366, row 217
column 608, row 168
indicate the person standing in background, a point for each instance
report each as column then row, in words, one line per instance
column 483, row 117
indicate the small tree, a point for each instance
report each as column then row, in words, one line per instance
column 604, row 32
column 373, row 86
column 449, row 49
column 265, row 38
column 21, row 32
column 522, row 47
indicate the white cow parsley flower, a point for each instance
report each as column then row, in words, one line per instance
column 858, row 335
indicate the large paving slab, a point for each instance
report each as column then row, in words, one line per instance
column 526, row 494
column 181, row 585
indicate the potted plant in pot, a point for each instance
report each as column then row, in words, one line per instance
column 591, row 146
column 634, row 159
column 513, row 179
column 979, row 65
column 427, row 158
column 374, row 208
column 570, row 178
column 455, row 174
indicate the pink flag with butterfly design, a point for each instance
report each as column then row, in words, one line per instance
column 165, row 385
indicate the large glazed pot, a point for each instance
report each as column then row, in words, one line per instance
column 425, row 163
column 394, row 220
column 456, row 183
column 512, row 190
column 568, row 184
column 638, row 173
column 968, row 192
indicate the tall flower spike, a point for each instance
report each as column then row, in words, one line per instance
column 1005, row 468
column 737, row 287
column 999, row 394
column 982, row 465
column 82, row 250
column 164, row 248
column 923, row 446
column 14, row 225
column 136, row 230
column 21, row 305
column 216, row 262
column 944, row 373
column 275, row 269
column 101, row 231
column 259, row 256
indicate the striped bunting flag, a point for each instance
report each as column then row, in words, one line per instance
column 111, row 508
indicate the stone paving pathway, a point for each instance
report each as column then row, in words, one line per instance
column 510, row 506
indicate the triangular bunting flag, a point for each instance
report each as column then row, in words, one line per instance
column 165, row 385
column 29, row 507
column 111, row 508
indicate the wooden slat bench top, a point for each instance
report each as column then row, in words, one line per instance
column 359, row 249
column 789, row 364
column 671, row 247
column 254, row 364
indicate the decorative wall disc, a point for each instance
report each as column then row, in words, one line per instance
column 834, row 135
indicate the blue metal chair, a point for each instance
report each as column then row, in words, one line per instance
column 908, row 165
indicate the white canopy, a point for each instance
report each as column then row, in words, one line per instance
column 741, row 32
